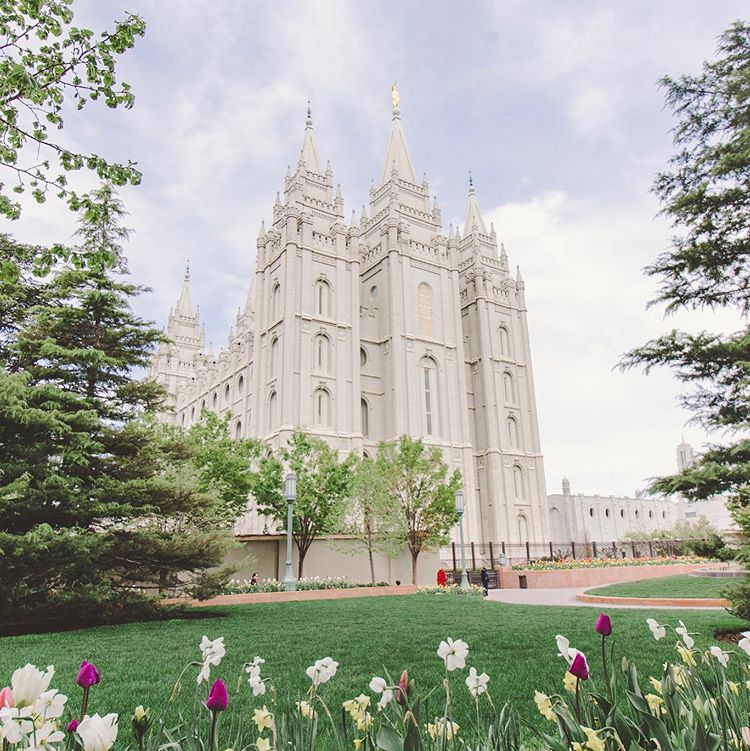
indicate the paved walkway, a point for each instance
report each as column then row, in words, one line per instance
column 564, row 596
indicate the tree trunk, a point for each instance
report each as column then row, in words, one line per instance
column 372, row 565
column 414, row 566
column 301, row 562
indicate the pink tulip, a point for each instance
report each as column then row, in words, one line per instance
column 579, row 668
column 88, row 675
column 402, row 688
column 72, row 726
column 6, row 698
column 218, row 698
column 604, row 625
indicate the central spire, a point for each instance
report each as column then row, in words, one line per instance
column 474, row 215
column 309, row 154
column 397, row 155
column 184, row 304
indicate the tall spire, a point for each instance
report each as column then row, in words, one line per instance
column 397, row 155
column 309, row 154
column 473, row 216
column 184, row 305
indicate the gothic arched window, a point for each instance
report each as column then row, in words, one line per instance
column 504, row 342
column 509, row 388
column 322, row 298
column 192, row 414
column 227, row 393
column 518, row 482
column 240, row 384
column 430, row 389
column 424, row 303
column 365, row 418
column 513, row 432
column 523, row 529
column 238, row 430
column 215, row 400
column 272, row 410
column 274, row 359
column 322, row 353
column 275, row 301
column 322, row 407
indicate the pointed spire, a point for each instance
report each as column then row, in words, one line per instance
column 184, row 305
column 397, row 155
column 473, row 215
column 519, row 278
column 363, row 216
column 353, row 222
column 309, row 154
column 339, row 197
column 278, row 200
column 262, row 230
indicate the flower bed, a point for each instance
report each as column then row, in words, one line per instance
column 244, row 586
column 451, row 589
column 699, row 700
column 568, row 563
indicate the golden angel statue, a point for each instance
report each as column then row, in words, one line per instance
column 395, row 98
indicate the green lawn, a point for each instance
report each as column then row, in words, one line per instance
column 515, row 645
column 682, row 585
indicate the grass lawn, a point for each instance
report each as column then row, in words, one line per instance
column 682, row 585
column 515, row 645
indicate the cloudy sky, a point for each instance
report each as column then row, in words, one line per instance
column 553, row 106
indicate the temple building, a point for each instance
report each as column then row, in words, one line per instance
column 363, row 330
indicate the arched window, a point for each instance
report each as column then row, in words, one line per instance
column 365, row 418
column 504, row 342
column 510, row 389
column 513, row 432
column 183, row 420
column 192, row 414
column 622, row 513
column 606, row 512
column 238, row 430
column 663, row 514
column 274, row 359
column 424, row 302
column 227, row 393
column 636, row 513
column 322, row 298
column 650, row 514
column 240, row 384
column 272, row 410
column 322, row 407
column 322, row 353
column 430, row 386
column 275, row 301
column 362, row 357
column 518, row 481
column 591, row 511
column 203, row 405
column 523, row 529
column 215, row 400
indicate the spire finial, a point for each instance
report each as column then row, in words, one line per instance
column 395, row 101
column 187, row 270
column 308, row 119
column 471, row 184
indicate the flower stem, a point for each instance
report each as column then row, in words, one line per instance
column 212, row 741
column 85, row 702
column 578, row 701
column 604, row 665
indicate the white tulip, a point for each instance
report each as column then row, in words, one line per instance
column 453, row 653
column 28, row 683
column 98, row 733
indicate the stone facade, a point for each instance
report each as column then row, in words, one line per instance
column 363, row 332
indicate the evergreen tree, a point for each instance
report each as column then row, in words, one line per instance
column 417, row 478
column 97, row 500
column 706, row 194
column 322, row 488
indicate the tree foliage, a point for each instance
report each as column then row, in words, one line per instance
column 48, row 68
column 706, row 194
column 416, row 476
column 373, row 515
column 322, row 488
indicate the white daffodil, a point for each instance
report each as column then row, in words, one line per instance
column 378, row 685
column 50, row 705
column 16, row 723
column 658, row 631
column 721, row 656
column 263, row 719
column 565, row 650
column 28, row 682
column 257, row 685
column 306, row 710
column 98, row 733
column 453, row 653
column 43, row 738
column 744, row 642
column 253, row 668
column 212, row 653
column 322, row 671
column 477, row 684
column 385, row 699
column 682, row 632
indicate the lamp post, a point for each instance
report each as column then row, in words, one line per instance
column 460, row 510
column 290, row 492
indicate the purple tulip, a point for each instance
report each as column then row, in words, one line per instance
column 88, row 675
column 72, row 726
column 603, row 625
column 218, row 699
column 579, row 668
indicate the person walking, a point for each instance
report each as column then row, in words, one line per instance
column 485, row 580
column 442, row 577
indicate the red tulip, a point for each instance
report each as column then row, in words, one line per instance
column 88, row 675
column 72, row 726
column 579, row 668
column 402, row 688
column 604, row 625
column 218, row 698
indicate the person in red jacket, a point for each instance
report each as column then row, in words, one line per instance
column 442, row 578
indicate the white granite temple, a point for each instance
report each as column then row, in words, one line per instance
column 363, row 331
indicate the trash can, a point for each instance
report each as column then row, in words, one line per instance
column 522, row 583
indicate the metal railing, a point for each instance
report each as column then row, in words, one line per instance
column 491, row 554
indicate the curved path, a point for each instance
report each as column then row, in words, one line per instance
column 567, row 596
